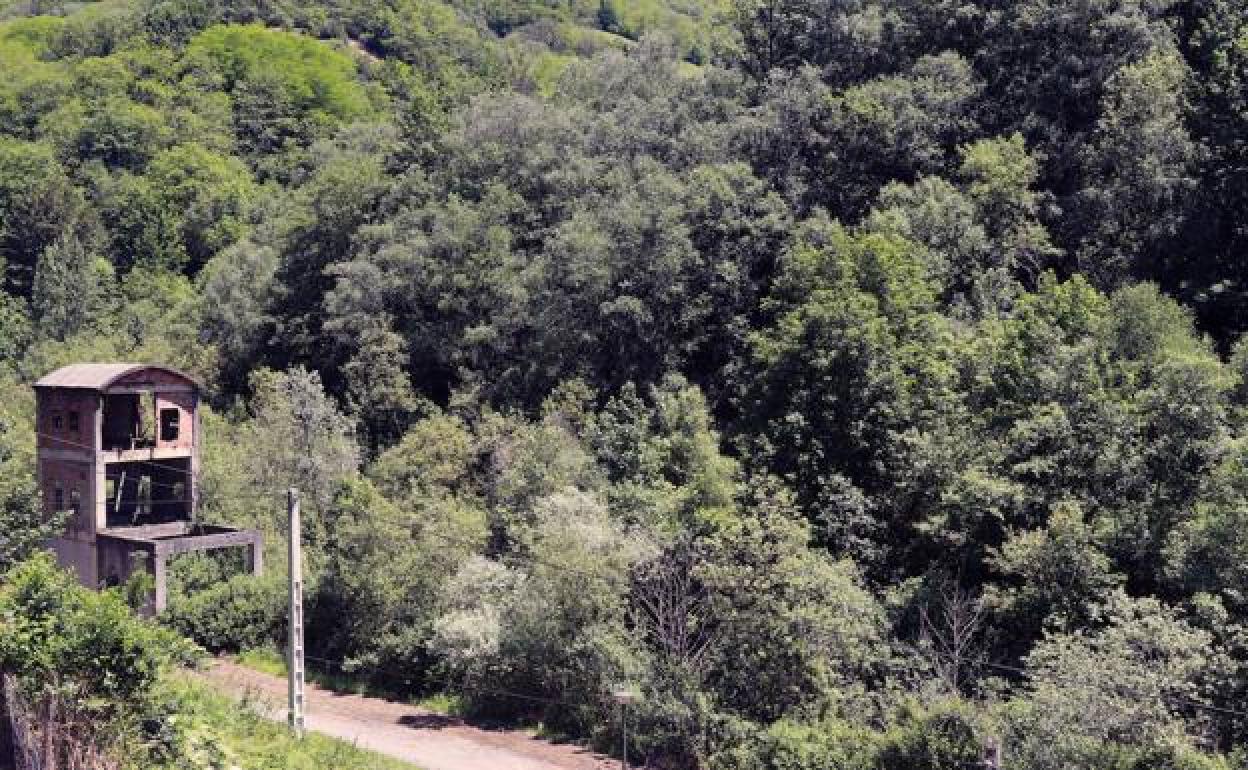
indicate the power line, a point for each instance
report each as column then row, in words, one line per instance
column 1020, row 671
column 94, row 450
column 164, row 467
column 1174, row 699
column 535, row 561
column 531, row 560
column 445, row 680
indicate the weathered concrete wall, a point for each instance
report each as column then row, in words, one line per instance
column 66, row 419
column 185, row 404
column 117, row 563
column 78, row 557
column 74, row 468
column 75, row 480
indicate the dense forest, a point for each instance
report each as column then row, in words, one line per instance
column 861, row 380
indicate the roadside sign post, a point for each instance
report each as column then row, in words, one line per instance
column 623, row 695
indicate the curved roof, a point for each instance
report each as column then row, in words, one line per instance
column 100, row 376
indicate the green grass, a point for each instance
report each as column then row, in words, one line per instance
column 227, row 732
column 266, row 661
column 443, row 703
column 270, row 661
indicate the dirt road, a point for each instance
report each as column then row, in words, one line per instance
column 428, row 739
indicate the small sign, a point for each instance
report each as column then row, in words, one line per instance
column 624, row 694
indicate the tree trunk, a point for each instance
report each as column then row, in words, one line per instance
column 49, row 734
column 8, row 756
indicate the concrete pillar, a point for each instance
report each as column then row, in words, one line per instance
column 162, row 590
column 255, row 556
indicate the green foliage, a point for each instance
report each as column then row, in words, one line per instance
column 316, row 84
column 37, row 205
column 1129, row 683
column 69, row 280
column 238, row 613
column 208, row 195
column 218, row 730
column 80, row 658
column 1060, row 577
column 299, row 437
column 25, row 526
column 941, row 738
column 818, row 637
column 721, row 361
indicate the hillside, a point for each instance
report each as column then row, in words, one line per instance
column 862, row 381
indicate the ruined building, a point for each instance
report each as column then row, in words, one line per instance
column 118, row 452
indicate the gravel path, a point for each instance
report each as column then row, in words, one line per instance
column 428, row 739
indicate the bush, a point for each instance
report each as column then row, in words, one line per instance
column 242, row 613
column 941, row 737
column 82, row 668
column 791, row 745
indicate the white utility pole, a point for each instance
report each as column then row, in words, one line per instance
column 294, row 656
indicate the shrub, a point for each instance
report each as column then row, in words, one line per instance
column 82, row 668
column 242, row 613
column 941, row 737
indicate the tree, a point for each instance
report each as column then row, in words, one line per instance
column 1059, row 578
column 209, row 195
column 835, row 150
column 1001, row 176
column 554, row 628
column 795, row 629
column 1128, row 684
column 235, row 291
column 15, row 328
column 379, row 391
column 299, row 437
column 1140, row 166
column 662, row 456
column 951, row 635
column 853, row 349
column 72, row 289
column 342, row 196
column 38, row 204
column 378, row 589
column 287, row 89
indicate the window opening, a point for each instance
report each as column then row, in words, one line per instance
column 144, row 433
column 144, row 507
column 73, row 420
column 169, row 424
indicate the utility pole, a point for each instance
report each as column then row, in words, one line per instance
column 294, row 656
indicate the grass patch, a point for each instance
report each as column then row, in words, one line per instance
column 269, row 661
column 264, row 660
column 227, row 732
column 443, row 703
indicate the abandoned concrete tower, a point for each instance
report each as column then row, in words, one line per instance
column 118, row 452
